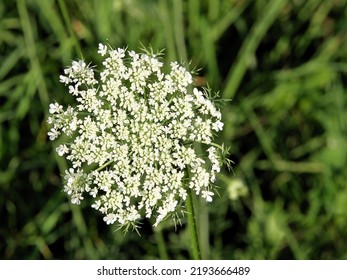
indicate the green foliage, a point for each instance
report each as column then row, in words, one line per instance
column 283, row 64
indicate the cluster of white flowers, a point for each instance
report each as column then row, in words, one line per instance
column 133, row 136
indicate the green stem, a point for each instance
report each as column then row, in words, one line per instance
column 213, row 144
column 104, row 165
column 249, row 47
column 68, row 23
column 192, row 226
column 161, row 244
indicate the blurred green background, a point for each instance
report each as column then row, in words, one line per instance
column 284, row 65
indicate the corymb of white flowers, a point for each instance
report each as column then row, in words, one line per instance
column 132, row 137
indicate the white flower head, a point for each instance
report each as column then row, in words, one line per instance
column 55, row 108
column 207, row 195
column 131, row 136
column 237, row 189
column 102, row 49
column 62, row 149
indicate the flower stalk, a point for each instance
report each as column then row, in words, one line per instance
column 195, row 247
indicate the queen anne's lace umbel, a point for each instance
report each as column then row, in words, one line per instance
column 133, row 134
